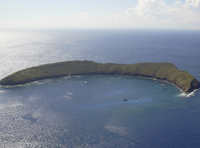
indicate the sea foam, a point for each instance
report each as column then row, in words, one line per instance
column 190, row 94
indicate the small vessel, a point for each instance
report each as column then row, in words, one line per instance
column 155, row 82
column 162, row 85
column 119, row 78
column 164, row 88
column 125, row 100
column 140, row 100
column 86, row 82
column 93, row 77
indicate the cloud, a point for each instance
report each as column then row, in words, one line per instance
column 192, row 3
column 156, row 13
column 83, row 14
column 177, row 3
column 145, row 14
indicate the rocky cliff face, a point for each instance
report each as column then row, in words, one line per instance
column 163, row 71
column 193, row 85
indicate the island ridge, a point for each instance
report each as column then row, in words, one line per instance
column 162, row 71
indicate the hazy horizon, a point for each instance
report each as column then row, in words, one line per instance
column 131, row 14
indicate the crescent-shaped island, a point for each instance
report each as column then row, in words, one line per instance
column 162, row 71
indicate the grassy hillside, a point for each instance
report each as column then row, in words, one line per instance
column 164, row 71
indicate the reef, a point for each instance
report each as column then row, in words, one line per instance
column 162, row 71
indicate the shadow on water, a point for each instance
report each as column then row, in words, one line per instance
column 30, row 118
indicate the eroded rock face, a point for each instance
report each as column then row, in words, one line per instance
column 194, row 85
column 163, row 71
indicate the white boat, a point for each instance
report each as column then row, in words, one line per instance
column 86, row 82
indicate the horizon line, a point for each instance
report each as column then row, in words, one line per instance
column 93, row 28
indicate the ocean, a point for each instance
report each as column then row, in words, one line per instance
column 65, row 113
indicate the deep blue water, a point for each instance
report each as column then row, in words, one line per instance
column 68, row 113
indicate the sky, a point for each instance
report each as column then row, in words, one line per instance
column 155, row 14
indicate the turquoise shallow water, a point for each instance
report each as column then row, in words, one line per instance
column 69, row 113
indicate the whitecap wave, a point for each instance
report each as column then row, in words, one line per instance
column 190, row 94
column 68, row 95
column 21, row 144
column 9, row 106
column 2, row 91
column 15, row 105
